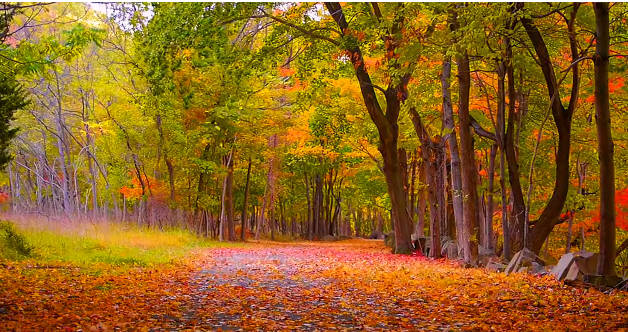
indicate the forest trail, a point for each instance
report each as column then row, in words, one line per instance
column 358, row 285
column 265, row 286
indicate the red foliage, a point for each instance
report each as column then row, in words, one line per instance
column 152, row 186
column 4, row 197
column 621, row 212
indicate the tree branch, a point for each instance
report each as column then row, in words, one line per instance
column 302, row 30
column 481, row 131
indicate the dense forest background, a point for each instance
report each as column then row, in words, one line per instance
column 464, row 122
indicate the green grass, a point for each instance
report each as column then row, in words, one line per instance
column 108, row 244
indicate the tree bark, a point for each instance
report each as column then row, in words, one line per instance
column 319, row 221
column 606, row 264
column 230, row 202
column 454, row 154
column 246, row 202
column 518, row 233
column 489, row 244
column 543, row 226
column 420, row 224
column 386, row 124
column 310, row 226
column 469, row 174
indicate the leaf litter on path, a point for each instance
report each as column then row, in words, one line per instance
column 345, row 286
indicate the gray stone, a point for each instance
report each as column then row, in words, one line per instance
column 485, row 256
column 523, row 258
column 450, row 249
column 587, row 262
column 562, row 267
column 573, row 266
column 538, row 269
column 495, row 266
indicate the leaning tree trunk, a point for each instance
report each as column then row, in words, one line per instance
column 606, row 264
column 386, row 123
column 543, row 226
column 518, row 233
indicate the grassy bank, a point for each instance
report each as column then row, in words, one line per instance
column 88, row 244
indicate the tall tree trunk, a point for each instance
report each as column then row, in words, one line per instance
column 489, row 244
column 260, row 221
column 469, row 174
column 318, row 207
column 422, row 201
column 310, row 226
column 386, row 123
column 229, row 199
column 518, row 233
column 246, row 202
column 543, row 226
column 606, row 264
column 411, row 203
column 454, row 154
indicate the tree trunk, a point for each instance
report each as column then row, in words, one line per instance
column 310, row 226
column 420, row 225
column 260, row 221
column 246, row 202
column 454, row 154
column 387, row 126
column 542, row 227
column 230, row 203
column 489, row 199
column 318, row 207
column 411, row 203
column 606, row 264
column 518, row 233
column 469, row 174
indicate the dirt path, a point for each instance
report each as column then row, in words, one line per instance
column 286, row 287
column 359, row 286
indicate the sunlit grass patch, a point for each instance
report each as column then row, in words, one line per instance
column 104, row 243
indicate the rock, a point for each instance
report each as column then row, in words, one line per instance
column 449, row 249
column 573, row 266
column 328, row 238
column 389, row 240
column 523, row 258
column 523, row 269
column 538, row 269
column 495, row 266
column 343, row 237
column 587, row 262
column 485, row 256
column 561, row 269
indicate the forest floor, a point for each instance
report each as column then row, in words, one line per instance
column 348, row 285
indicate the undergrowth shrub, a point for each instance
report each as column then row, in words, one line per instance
column 13, row 243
